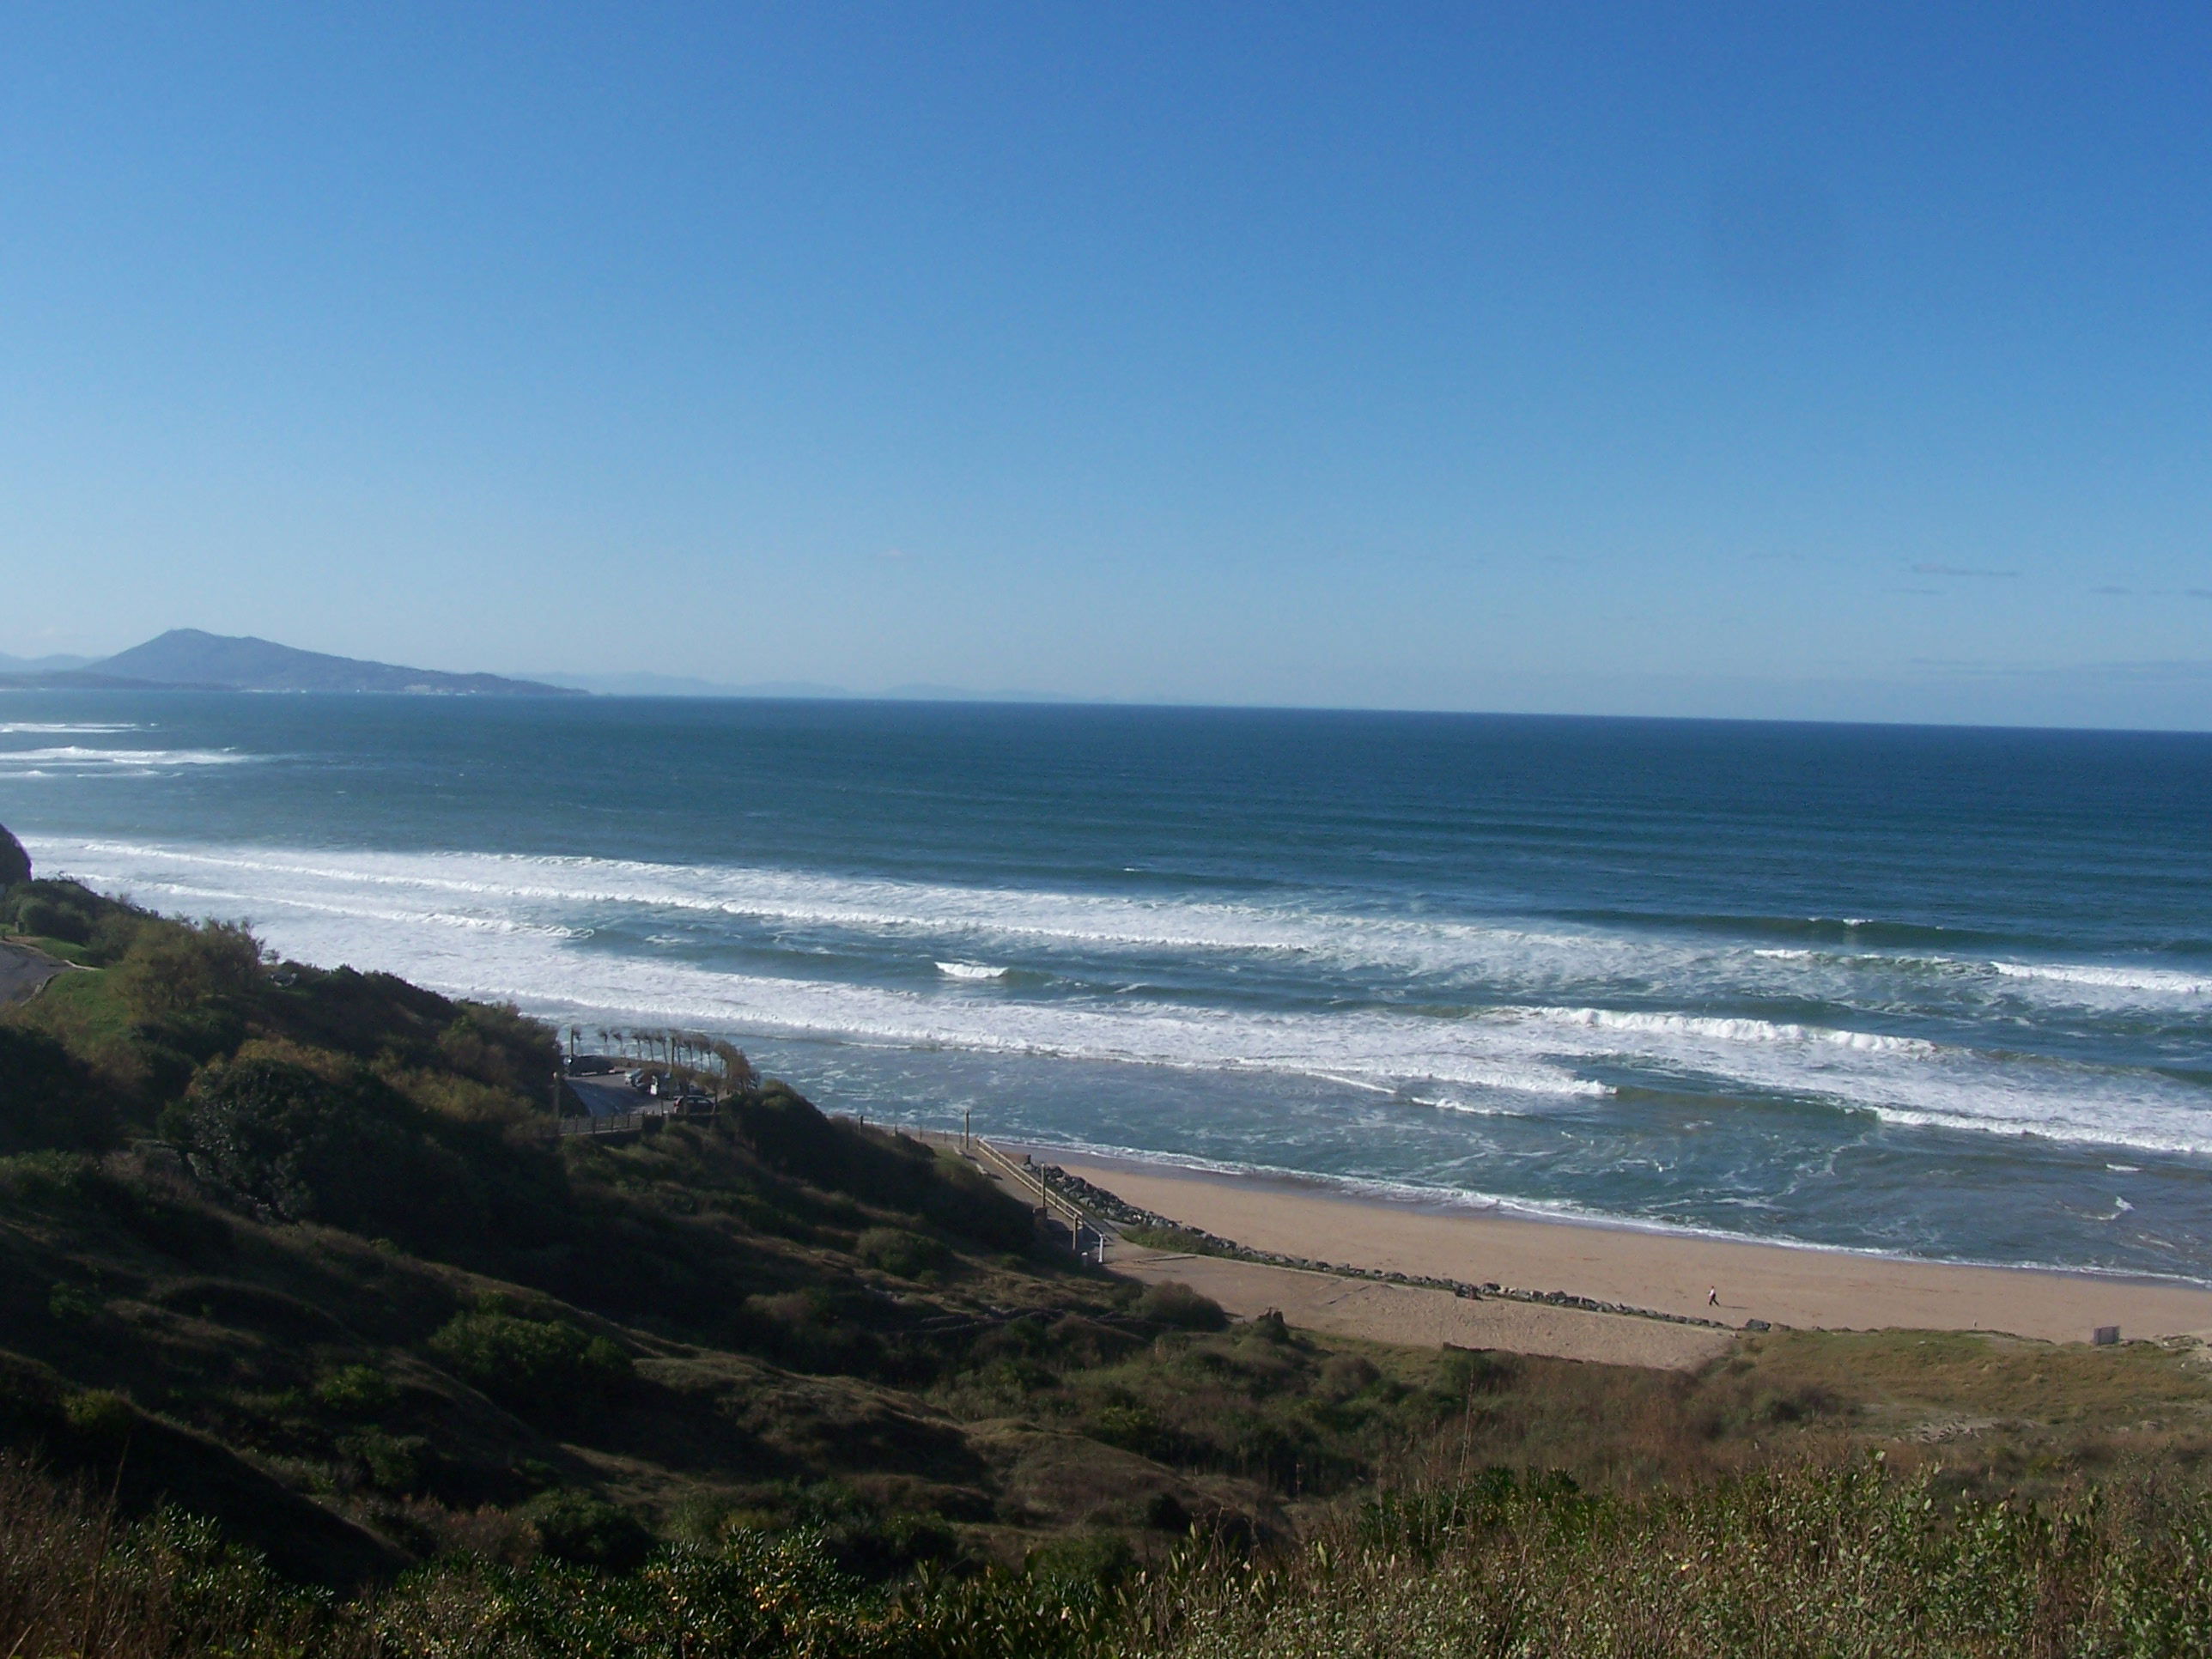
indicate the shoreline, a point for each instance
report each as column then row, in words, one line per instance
column 1802, row 1286
column 1420, row 1201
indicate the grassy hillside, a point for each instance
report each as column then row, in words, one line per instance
column 309, row 1220
column 309, row 1329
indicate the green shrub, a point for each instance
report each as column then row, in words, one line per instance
column 1177, row 1241
column 532, row 1365
column 585, row 1531
column 1343, row 1374
column 1178, row 1305
column 171, row 968
column 357, row 1391
column 1475, row 1370
column 1134, row 1428
column 60, row 911
column 876, row 1547
column 895, row 1251
column 100, row 1415
column 289, row 1142
column 46, row 1176
column 69, row 1305
column 393, row 1463
column 1085, row 1561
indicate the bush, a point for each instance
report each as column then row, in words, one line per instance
column 171, row 969
column 294, row 1143
column 1085, row 1561
column 873, row 1547
column 100, row 1415
column 532, row 1365
column 585, row 1531
column 53, row 909
column 393, row 1463
column 1178, row 1305
column 1476, row 1370
column 895, row 1251
column 500, row 1046
column 1343, row 1374
column 357, row 1391
column 1134, row 1428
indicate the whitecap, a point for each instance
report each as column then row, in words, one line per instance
column 62, row 727
column 503, row 926
column 1731, row 1029
column 76, row 757
column 2164, row 982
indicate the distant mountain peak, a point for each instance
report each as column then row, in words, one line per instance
column 191, row 656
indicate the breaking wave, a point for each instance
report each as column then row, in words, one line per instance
column 548, row 932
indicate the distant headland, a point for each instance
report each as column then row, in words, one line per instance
column 185, row 658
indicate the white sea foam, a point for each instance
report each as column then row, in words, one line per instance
column 1730, row 1030
column 1507, row 962
column 1088, row 923
column 971, row 970
column 511, row 927
column 48, row 728
column 2164, row 982
column 78, row 758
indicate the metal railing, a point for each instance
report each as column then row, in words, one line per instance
column 1025, row 1180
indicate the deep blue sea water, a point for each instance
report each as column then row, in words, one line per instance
column 1941, row 992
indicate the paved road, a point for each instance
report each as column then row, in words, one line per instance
column 24, row 970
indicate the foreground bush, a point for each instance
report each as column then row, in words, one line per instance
column 1845, row 1561
column 1812, row 1563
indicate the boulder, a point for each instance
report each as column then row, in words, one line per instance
column 15, row 862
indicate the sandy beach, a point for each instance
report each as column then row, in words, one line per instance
column 1808, row 1288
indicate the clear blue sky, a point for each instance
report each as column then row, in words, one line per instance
column 1746, row 359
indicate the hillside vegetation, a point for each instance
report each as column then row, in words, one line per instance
column 312, row 1339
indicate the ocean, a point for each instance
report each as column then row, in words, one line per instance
column 1941, row 993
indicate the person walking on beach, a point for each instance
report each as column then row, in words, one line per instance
column 1713, row 1296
